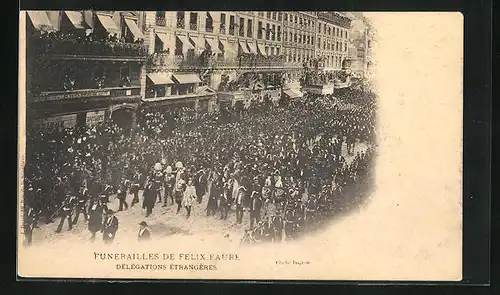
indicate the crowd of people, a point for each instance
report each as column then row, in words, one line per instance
column 282, row 165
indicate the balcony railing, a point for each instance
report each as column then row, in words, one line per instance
column 82, row 47
column 132, row 92
column 163, row 61
column 193, row 27
column 222, row 30
column 180, row 24
column 161, row 21
column 209, row 29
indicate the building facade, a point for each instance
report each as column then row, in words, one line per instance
column 361, row 42
column 83, row 67
column 86, row 66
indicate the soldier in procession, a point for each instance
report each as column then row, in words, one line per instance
column 110, row 227
column 122, row 194
column 169, row 185
column 81, row 204
column 134, row 189
column 66, row 211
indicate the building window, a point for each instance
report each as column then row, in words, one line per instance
column 285, row 36
column 272, row 50
column 180, row 20
column 304, row 39
column 231, row 25
column 286, row 17
column 295, row 19
column 312, row 40
column 193, row 21
column 259, row 30
column 345, row 46
column 308, row 40
column 268, row 15
column 274, row 15
column 295, row 37
column 268, row 32
column 267, row 50
column 280, row 16
column 261, row 13
column 160, row 18
column 319, row 28
column 324, row 29
column 277, row 51
column 319, row 43
column 223, row 23
column 242, row 27
column 279, row 33
column 274, row 33
column 300, row 22
column 250, row 29
column 209, row 23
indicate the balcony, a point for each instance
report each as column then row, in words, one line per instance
column 111, row 93
column 222, row 30
column 193, row 27
column 209, row 29
column 180, row 24
column 57, row 46
column 161, row 21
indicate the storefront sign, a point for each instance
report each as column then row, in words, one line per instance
column 57, row 122
column 73, row 94
column 95, row 117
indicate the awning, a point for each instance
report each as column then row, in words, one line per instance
column 244, row 47
column 185, row 42
column 134, row 29
column 262, row 49
column 198, row 42
column 160, row 78
column 162, row 37
column 252, row 46
column 226, row 46
column 214, row 45
column 41, row 21
column 108, row 24
column 186, row 78
column 293, row 93
column 77, row 20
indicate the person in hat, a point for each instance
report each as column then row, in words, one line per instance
column 66, row 212
column 122, row 194
column 134, row 189
column 83, row 198
column 189, row 197
column 169, row 185
column 255, row 208
column 96, row 208
column 216, row 191
column 240, row 201
column 149, row 198
column 144, row 234
column 110, row 227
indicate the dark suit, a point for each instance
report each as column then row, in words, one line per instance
column 110, row 229
column 255, row 207
column 149, row 199
column 144, row 235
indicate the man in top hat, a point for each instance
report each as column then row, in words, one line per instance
column 148, row 202
column 96, row 208
column 122, row 194
column 144, row 234
column 110, row 227
column 134, row 189
column 240, row 201
column 255, row 208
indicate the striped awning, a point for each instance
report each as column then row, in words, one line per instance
column 199, row 43
column 262, row 49
column 186, row 78
column 214, row 45
column 244, row 47
column 134, row 29
column 108, row 24
column 160, row 78
column 77, row 20
column 41, row 21
column 226, row 46
column 252, row 46
column 185, row 42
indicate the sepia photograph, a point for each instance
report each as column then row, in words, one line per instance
column 311, row 145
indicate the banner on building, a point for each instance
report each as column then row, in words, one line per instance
column 95, row 117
